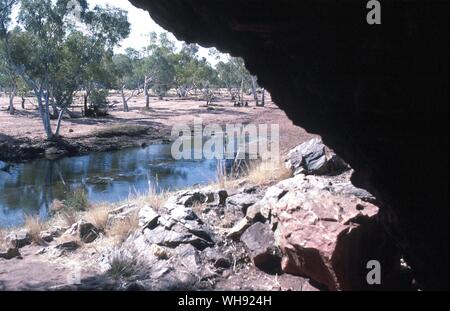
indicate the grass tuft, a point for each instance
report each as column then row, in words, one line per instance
column 57, row 206
column 34, row 227
column 267, row 172
column 122, row 265
column 121, row 229
column 98, row 216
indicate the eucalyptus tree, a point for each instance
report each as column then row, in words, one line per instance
column 236, row 78
column 52, row 56
column 10, row 82
column 128, row 76
column 8, row 76
column 159, row 64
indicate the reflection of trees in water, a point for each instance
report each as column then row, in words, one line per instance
column 32, row 187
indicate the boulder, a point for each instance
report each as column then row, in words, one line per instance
column 87, row 232
column 84, row 230
column 309, row 157
column 9, row 253
column 221, row 196
column 215, row 196
column 242, row 200
column 19, row 239
column 46, row 236
column 259, row 242
column 347, row 189
column 174, row 237
column 329, row 237
column 254, row 213
column 191, row 198
column 166, row 222
column 236, row 232
column 312, row 158
column 70, row 245
column 148, row 218
column 337, row 165
column 217, row 258
column 263, row 207
column 50, row 234
column 182, row 214
column 189, row 258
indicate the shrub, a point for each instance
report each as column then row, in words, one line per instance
column 77, row 200
column 98, row 104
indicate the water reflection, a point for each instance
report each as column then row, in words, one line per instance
column 30, row 188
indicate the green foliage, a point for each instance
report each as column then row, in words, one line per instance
column 77, row 200
column 234, row 76
column 98, row 102
column 126, row 72
column 58, row 56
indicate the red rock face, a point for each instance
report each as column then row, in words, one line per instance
column 329, row 237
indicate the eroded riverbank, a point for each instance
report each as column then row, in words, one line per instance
column 22, row 137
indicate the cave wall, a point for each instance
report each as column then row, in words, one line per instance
column 377, row 94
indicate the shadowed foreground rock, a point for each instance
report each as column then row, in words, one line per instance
column 324, row 231
column 330, row 237
column 377, row 94
column 260, row 245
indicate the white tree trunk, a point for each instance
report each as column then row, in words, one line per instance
column 58, row 126
column 241, row 92
column 255, row 90
column 147, row 96
column 12, row 110
column 263, row 101
column 125, row 100
column 43, row 110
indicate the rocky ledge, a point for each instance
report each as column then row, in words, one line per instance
column 306, row 232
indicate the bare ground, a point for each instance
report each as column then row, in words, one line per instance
column 22, row 135
column 22, row 138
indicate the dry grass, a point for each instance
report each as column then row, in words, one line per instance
column 98, row 216
column 121, row 229
column 153, row 198
column 122, row 265
column 34, row 226
column 224, row 181
column 222, row 176
column 258, row 174
column 156, row 201
column 66, row 218
column 57, row 206
column 267, row 172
